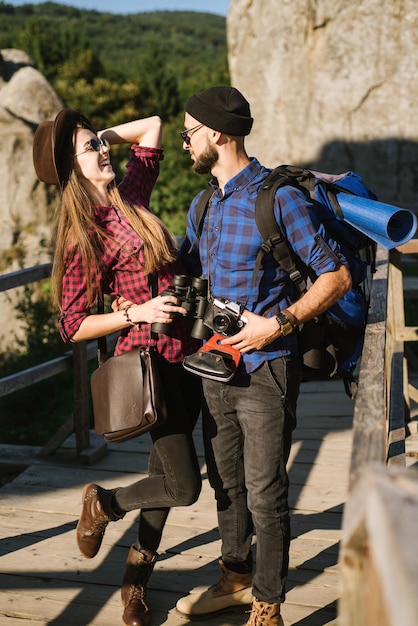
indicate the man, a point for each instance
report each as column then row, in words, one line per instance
column 249, row 424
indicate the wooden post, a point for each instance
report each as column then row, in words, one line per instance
column 398, row 398
column 379, row 545
column 90, row 447
column 81, row 397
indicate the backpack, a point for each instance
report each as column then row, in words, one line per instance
column 331, row 344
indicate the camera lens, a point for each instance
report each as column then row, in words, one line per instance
column 221, row 323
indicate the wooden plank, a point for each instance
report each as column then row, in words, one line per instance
column 411, row 247
column 49, row 581
column 379, row 547
column 396, row 413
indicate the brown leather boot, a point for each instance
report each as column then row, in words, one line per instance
column 95, row 516
column 138, row 569
column 265, row 614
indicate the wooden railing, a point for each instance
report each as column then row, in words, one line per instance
column 379, row 543
column 89, row 448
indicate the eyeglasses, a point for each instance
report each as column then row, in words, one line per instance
column 185, row 133
column 94, row 145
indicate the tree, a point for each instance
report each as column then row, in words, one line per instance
column 158, row 82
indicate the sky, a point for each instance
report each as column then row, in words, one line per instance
column 219, row 7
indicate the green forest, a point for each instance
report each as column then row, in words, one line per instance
column 114, row 68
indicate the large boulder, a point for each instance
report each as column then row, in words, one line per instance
column 332, row 85
column 26, row 99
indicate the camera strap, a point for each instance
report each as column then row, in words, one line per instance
column 207, row 223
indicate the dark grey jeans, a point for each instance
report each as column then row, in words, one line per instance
column 248, row 430
column 173, row 471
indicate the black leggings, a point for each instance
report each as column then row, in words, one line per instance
column 173, row 471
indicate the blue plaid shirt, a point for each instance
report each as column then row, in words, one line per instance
column 227, row 249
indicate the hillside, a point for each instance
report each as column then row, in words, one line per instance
column 192, row 44
column 118, row 67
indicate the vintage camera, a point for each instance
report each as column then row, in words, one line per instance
column 224, row 317
column 191, row 294
column 213, row 360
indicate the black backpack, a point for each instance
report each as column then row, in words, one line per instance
column 330, row 345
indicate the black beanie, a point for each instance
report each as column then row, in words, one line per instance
column 222, row 108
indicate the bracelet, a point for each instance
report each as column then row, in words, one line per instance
column 128, row 319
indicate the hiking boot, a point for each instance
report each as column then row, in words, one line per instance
column 231, row 590
column 265, row 614
column 138, row 569
column 95, row 516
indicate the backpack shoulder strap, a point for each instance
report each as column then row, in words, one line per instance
column 274, row 239
column 201, row 209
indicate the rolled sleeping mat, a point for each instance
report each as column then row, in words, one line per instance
column 388, row 225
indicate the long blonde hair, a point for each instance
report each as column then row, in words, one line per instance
column 76, row 230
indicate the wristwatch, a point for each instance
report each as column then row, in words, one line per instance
column 285, row 324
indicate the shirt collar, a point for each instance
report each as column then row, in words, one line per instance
column 104, row 214
column 242, row 179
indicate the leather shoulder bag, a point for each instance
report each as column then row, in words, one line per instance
column 127, row 394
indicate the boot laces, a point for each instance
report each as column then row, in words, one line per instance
column 137, row 593
column 259, row 615
column 222, row 582
column 99, row 525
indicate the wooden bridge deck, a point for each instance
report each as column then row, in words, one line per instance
column 44, row 579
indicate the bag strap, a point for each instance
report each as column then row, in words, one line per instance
column 274, row 239
column 101, row 341
column 201, row 209
column 102, row 355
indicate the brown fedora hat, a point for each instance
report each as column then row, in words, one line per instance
column 53, row 146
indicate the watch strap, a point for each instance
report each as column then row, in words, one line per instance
column 285, row 324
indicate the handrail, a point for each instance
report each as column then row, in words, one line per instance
column 379, row 539
column 25, row 276
column 370, row 403
column 75, row 359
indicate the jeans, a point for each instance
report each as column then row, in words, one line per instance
column 248, row 428
column 173, row 471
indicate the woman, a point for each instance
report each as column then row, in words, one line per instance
column 108, row 242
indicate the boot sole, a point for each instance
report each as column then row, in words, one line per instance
column 236, row 609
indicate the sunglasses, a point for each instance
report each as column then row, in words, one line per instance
column 185, row 133
column 95, row 145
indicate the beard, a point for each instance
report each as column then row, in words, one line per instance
column 205, row 161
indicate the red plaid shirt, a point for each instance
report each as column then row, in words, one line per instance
column 121, row 268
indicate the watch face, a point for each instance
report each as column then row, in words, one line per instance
column 285, row 324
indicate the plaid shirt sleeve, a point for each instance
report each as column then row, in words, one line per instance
column 74, row 297
column 305, row 233
column 142, row 172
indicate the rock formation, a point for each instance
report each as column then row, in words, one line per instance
column 26, row 99
column 332, row 84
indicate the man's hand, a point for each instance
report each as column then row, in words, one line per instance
column 257, row 333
